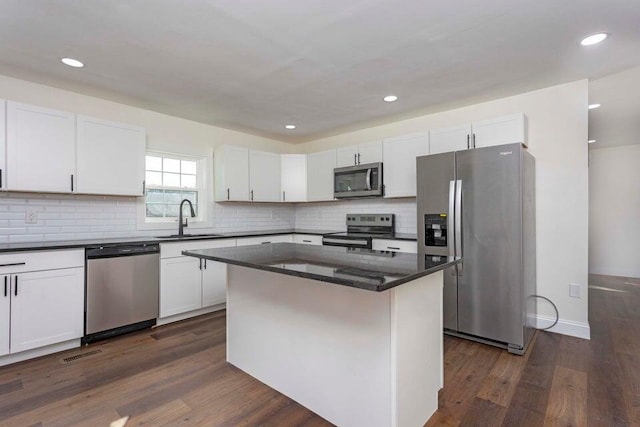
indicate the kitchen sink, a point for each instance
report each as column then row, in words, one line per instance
column 189, row 236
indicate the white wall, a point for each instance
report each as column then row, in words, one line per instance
column 557, row 132
column 614, row 211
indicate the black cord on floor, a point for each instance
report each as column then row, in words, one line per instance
column 554, row 307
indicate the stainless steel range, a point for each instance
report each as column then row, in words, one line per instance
column 361, row 229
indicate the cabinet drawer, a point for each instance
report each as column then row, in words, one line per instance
column 307, row 239
column 280, row 238
column 395, row 245
column 16, row 262
column 174, row 249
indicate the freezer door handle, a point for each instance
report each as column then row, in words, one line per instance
column 458, row 221
column 450, row 216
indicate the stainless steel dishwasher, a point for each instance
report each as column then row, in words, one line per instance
column 122, row 289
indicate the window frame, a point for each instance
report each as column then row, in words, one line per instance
column 203, row 165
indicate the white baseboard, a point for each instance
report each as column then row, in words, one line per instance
column 564, row 327
column 182, row 316
column 40, row 351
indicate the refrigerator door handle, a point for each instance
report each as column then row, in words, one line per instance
column 458, row 220
column 450, row 217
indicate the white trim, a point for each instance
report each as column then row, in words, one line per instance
column 188, row 315
column 564, row 327
column 40, row 351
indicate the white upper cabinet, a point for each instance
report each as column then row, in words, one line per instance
column 484, row 133
column 370, row 152
column 41, row 148
column 231, row 169
column 400, row 163
column 499, row 130
column 264, row 176
column 454, row 138
column 3, row 151
column 293, row 177
column 110, row 157
column 320, row 168
column 347, row 156
column 360, row 154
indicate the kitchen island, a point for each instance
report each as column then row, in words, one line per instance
column 354, row 335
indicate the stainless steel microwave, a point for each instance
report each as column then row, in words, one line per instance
column 358, row 181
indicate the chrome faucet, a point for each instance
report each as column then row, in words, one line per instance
column 181, row 224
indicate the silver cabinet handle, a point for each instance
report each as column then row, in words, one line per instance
column 12, row 264
column 5, row 286
column 393, row 248
column 71, row 182
column 251, row 194
column 16, row 288
column 355, row 159
column 358, row 158
column 468, row 142
column 474, row 140
column 284, row 199
column 306, row 241
column 227, row 194
column 264, row 243
column 0, row 178
column 200, row 266
column 144, row 187
column 450, row 217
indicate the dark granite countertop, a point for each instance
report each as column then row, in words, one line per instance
column 359, row 268
column 71, row 244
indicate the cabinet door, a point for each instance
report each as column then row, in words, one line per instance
column 3, row 147
column 110, row 157
column 180, row 285
column 449, row 139
column 400, row 164
column 46, row 308
column 347, row 156
column 5, row 314
column 370, row 152
column 500, row 130
column 231, row 169
column 264, row 176
column 320, row 168
column 41, row 148
column 214, row 283
column 293, row 177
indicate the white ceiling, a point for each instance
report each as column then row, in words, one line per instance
column 323, row 65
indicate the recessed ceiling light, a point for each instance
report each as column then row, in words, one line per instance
column 592, row 106
column 290, row 127
column 72, row 62
column 591, row 141
column 593, row 39
column 390, row 98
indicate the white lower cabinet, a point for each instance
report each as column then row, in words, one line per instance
column 187, row 283
column 43, row 307
column 409, row 246
column 307, row 239
column 263, row 240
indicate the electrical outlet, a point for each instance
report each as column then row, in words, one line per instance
column 31, row 217
column 574, row 290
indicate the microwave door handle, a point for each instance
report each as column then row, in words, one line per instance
column 369, row 179
column 450, row 219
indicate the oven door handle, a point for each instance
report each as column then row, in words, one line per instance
column 346, row 242
column 369, row 179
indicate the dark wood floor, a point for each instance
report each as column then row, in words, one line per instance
column 177, row 375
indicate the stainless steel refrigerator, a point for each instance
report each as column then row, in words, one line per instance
column 480, row 204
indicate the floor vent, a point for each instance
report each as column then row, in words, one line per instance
column 80, row 356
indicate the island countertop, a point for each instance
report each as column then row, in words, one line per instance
column 359, row 268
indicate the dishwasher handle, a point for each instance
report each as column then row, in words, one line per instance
column 122, row 250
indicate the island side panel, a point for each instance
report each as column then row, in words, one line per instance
column 417, row 349
column 325, row 346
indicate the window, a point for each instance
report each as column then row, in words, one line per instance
column 169, row 180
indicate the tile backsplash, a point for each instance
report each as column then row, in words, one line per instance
column 332, row 215
column 74, row 217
